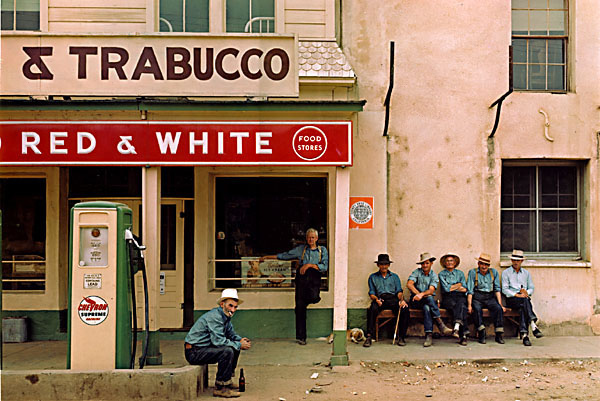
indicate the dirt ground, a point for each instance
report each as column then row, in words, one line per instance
column 561, row 380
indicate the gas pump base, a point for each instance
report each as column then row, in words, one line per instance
column 185, row 383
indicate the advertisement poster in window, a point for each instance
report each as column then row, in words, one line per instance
column 361, row 212
column 270, row 273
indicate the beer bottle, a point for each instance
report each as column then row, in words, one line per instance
column 242, row 381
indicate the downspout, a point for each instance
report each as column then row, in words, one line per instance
column 501, row 98
column 388, row 96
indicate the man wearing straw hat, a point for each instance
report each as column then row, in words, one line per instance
column 213, row 340
column 483, row 291
column 454, row 294
column 423, row 283
column 517, row 286
column 385, row 291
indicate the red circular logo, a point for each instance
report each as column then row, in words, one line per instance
column 309, row 143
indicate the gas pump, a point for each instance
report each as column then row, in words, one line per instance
column 104, row 256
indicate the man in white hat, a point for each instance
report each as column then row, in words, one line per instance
column 454, row 294
column 422, row 284
column 213, row 340
column 483, row 290
column 517, row 286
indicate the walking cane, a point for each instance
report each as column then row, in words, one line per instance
column 396, row 330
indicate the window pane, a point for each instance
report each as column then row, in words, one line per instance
column 538, row 24
column 537, row 51
column 537, row 77
column 177, row 182
column 172, row 12
column 519, row 76
column 263, row 8
column 557, row 22
column 28, row 15
column 238, row 14
column 520, row 22
column 196, row 15
column 558, row 185
column 517, row 231
column 518, row 187
column 168, row 234
column 556, row 77
column 555, row 51
column 7, row 14
column 519, row 50
column 538, row 3
column 558, row 231
column 520, row 4
column 557, row 4
column 23, row 204
column 86, row 182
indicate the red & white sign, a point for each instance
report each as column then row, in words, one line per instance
column 92, row 310
column 175, row 143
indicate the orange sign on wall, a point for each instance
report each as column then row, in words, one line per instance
column 361, row 212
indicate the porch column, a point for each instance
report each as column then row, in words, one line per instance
column 339, row 355
column 151, row 238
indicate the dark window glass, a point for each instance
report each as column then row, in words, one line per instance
column 23, row 205
column 240, row 12
column 26, row 15
column 177, row 182
column 173, row 14
column 168, row 235
column 103, row 182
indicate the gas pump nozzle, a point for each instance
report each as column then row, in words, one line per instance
column 137, row 263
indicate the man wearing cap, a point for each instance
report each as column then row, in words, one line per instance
column 454, row 294
column 517, row 286
column 483, row 291
column 213, row 340
column 423, row 283
column 385, row 291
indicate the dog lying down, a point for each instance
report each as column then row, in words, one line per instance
column 355, row 335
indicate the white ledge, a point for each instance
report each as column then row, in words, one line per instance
column 549, row 263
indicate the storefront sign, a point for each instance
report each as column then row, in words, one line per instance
column 361, row 212
column 93, row 280
column 93, row 310
column 173, row 143
column 149, row 65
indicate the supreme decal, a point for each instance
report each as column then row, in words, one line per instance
column 175, row 143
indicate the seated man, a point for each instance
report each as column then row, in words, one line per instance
column 517, row 286
column 213, row 340
column 422, row 283
column 483, row 290
column 385, row 291
column 454, row 295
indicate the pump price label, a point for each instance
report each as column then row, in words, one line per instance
column 93, row 310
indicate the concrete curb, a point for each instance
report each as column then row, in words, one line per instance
column 185, row 383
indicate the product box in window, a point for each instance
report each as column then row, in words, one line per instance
column 270, row 273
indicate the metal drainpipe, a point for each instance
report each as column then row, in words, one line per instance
column 501, row 98
column 388, row 96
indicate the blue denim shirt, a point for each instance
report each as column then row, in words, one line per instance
column 484, row 283
column 390, row 284
column 448, row 278
column 422, row 282
column 310, row 256
column 214, row 328
column 512, row 282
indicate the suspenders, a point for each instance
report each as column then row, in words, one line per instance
column 304, row 251
column 477, row 275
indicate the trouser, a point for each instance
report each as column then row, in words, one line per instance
column 488, row 300
column 523, row 305
column 430, row 311
column 390, row 301
column 225, row 357
column 306, row 293
column 457, row 303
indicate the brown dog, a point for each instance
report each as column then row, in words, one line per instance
column 355, row 335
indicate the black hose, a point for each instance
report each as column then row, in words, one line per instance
column 147, row 316
column 134, row 305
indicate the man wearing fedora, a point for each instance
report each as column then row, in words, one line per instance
column 385, row 291
column 483, row 291
column 517, row 286
column 213, row 340
column 422, row 284
column 454, row 294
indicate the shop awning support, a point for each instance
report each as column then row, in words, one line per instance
column 339, row 356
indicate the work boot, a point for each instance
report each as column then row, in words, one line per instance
column 500, row 340
column 401, row 342
column 428, row 340
column 445, row 330
column 455, row 334
column 225, row 392
column 463, row 340
column 368, row 342
column 481, row 336
column 526, row 341
column 537, row 333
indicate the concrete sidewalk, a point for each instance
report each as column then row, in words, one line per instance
column 41, row 355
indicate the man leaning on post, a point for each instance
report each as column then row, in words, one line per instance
column 213, row 340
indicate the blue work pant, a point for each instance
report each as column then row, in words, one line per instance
column 225, row 357
column 523, row 305
column 487, row 300
column 430, row 311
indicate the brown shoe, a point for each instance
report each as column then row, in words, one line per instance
column 225, row 392
column 428, row 340
column 463, row 341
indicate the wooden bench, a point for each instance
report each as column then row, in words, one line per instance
column 385, row 316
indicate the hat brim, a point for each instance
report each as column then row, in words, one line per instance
column 518, row 258
column 239, row 301
column 433, row 259
column 443, row 259
column 487, row 262
column 383, row 262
